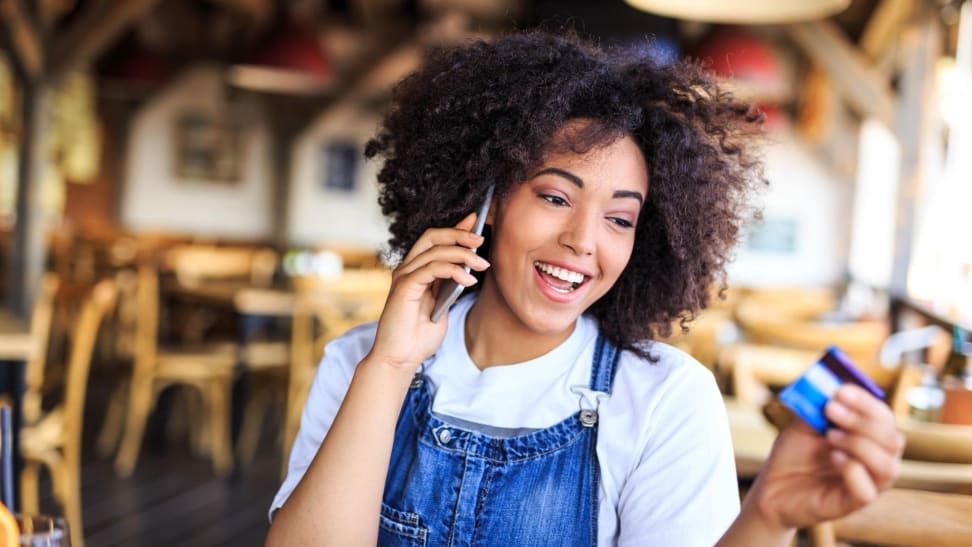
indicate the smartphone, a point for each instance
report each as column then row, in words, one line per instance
column 449, row 290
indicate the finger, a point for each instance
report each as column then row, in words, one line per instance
column 882, row 465
column 457, row 235
column 452, row 254
column 857, row 481
column 859, row 412
column 425, row 276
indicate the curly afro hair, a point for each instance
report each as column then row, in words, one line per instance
column 486, row 112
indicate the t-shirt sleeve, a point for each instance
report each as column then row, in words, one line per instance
column 327, row 391
column 683, row 489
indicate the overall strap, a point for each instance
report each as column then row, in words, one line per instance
column 604, row 365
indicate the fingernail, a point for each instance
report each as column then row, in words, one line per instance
column 482, row 262
column 849, row 393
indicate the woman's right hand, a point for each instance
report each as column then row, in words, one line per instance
column 406, row 334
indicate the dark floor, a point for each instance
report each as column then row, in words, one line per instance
column 173, row 497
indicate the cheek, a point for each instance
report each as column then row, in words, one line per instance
column 617, row 260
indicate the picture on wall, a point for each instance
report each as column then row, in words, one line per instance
column 773, row 235
column 340, row 159
column 207, row 149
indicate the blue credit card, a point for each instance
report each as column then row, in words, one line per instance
column 808, row 395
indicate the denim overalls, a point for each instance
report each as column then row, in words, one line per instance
column 449, row 486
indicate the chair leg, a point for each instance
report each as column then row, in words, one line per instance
column 113, row 426
column 72, row 509
column 29, row 486
column 219, row 430
column 178, row 422
column 200, row 441
column 139, row 405
column 67, row 490
column 260, row 400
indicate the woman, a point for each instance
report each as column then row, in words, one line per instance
column 540, row 412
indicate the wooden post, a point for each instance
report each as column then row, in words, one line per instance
column 283, row 138
column 914, row 128
column 26, row 260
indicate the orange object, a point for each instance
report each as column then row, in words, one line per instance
column 9, row 530
column 958, row 404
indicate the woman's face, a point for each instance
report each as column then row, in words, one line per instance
column 562, row 238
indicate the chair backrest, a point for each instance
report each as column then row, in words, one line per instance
column 41, row 322
column 910, row 517
column 194, row 264
column 936, row 442
column 791, row 302
column 860, row 340
column 79, row 362
column 756, row 369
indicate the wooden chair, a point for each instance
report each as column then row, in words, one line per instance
column 754, row 369
column 121, row 339
column 194, row 264
column 41, row 323
column 791, row 302
column 708, row 333
column 207, row 369
column 267, row 361
column 318, row 319
column 55, row 439
column 860, row 340
column 198, row 266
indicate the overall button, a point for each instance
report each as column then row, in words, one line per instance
column 445, row 436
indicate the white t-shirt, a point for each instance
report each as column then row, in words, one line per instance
column 668, row 473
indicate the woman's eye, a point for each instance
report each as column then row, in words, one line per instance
column 624, row 223
column 556, row 200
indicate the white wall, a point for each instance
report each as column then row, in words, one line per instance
column 320, row 216
column 803, row 192
column 154, row 198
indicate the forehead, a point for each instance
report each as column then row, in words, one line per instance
column 618, row 162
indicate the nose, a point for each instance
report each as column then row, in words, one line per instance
column 579, row 234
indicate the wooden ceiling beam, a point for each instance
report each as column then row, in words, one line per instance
column 95, row 30
column 25, row 39
column 258, row 10
column 49, row 12
column 863, row 87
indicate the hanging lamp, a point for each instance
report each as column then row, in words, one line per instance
column 747, row 12
column 289, row 61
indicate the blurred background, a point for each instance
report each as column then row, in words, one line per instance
column 186, row 218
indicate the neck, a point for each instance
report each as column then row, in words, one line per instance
column 495, row 336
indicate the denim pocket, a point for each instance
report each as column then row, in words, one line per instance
column 400, row 529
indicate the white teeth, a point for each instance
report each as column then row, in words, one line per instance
column 560, row 273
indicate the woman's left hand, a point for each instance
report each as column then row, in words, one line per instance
column 810, row 478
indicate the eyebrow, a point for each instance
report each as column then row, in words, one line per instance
column 579, row 182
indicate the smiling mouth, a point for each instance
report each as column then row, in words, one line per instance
column 559, row 279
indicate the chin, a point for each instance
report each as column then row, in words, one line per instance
column 549, row 324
